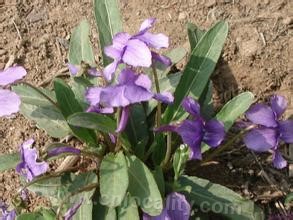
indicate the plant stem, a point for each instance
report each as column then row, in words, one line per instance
column 42, row 93
column 117, row 147
column 159, row 107
column 168, row 151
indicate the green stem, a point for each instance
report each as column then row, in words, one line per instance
column 42, row 93
column 159, row 107
column 168, row 151
column 118, row 144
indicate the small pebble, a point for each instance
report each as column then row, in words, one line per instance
column 182, row 16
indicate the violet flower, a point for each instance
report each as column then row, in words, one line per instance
column 131, row 88
column 196, row 130
column 29, row 167
column 72, row 211
column 176, row 208
column 135, row 50
column 10, row 101
column 271, row 130
column 7, row 215
column 74, row 69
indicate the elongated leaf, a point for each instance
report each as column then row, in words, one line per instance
column 30, row 96
column 113, row 179
column 194, row 35
column 93, row 121
column 219, row 199
column 108, row 20
column 199, row 68
column 80, row 48
column 103, row 212
column 206, row 102
column 143, row 187
column 9, row 161
column 128, row 209
column 159, row 177
column 233, row 110
column 48, row 118
column 137, row 130
column 79, row 86
column 68, row 106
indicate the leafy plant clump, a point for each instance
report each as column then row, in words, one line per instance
column 138, row 122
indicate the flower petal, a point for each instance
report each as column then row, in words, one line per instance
column 156, row 41
column 214, row 133
column 191, row 132
column 262, row 115
column 278, row 160
column 110, row 70
column 191, row 106
column 279, row 104
column 261, row 139
column 72, row 211
column 165, row 97
column 9, row 102
column 61, row 150
column 94, row 72
column 146, row 25
column 127, row 76
column 113, row 52
column 98, row 109
column 93, row 95
column 123, row 120
column 177, row 207
column 286, row 131
column 166, row 61
column 72, row 69
column 120, row 40
column 137, row 54
column 114, row 96
column 11, row 74
column 143, row 81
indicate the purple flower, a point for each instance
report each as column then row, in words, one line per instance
column 7, row 215
column 74, row 69
column 271, row 130
column 131, row 88
column 29, row 167
column 62, row 150
column 10, row 101
column 72, row 211
column 134, row 50
column 176, row 208
column 196, row 130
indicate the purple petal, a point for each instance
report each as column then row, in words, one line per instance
column 120, row 40
column 94, row 72
column 146, row 25
column 165, row 97
column 123, row 120
column 143, row 81
column 191, row 106
column 9, row 102
column 112, row 138
column 101, row 110
column 61, row 150
column 72, row 69
column 262, row 115
column 127, row 76
column 177, row 206
column 191, row 132
column 278, row 160
column 161, row 58
column 72, row 211
column 261, row 139
column 286, row 131
column 214, row 133
column 110, row 70
column 113, row 52
column 11, row 74
column 93, row 95
column 156, row 41
column 137, row 54
column 114, row 96
column 279, row 104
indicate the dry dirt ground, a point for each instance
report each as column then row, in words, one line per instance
column 257, row 57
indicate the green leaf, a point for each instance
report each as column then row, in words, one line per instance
column 159, row 177
column 199, row 68
column 232, row 110
column 31, row 216
column 30, row 96
column 79, row 86
column 180, row 157
column 219, row 199
column 206, row 102
column 194, row 35
column 137, row 130
column 143, row 186
column 128, row 209
column 108, row 20
column 9, row 161
column 113, row 179
column 101, row 212
column 93, row 121
column 48, row 118
column 68, row 106
column 80, row 48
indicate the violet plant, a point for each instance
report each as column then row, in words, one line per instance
column 126, row 115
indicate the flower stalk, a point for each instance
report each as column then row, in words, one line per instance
column 159, row 106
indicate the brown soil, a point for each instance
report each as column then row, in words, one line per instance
column 257, row 57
